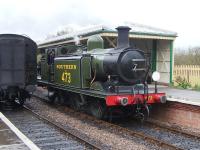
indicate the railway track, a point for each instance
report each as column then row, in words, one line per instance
column 123, row 130
column 173, row 129
column 45, row 133
column 119, row 129
column 172, row 136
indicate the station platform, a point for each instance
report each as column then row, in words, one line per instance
column 181, row 110
column 180, row 95
column 11, row 138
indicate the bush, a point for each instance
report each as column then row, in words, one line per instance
column 182, row 82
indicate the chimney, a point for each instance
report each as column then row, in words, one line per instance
column 123, row 39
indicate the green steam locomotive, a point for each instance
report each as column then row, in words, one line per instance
column 102, row 81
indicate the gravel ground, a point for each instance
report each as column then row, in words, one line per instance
column 112, row 140
column 183, row 128
column 178, row 140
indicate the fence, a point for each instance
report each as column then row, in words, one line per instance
column 190, row 72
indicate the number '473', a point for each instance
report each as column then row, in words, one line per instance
column 66, row 77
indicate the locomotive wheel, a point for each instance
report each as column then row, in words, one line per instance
column 143, row 114
column 56, row 98
column 51, row 99
column 97, row 109
column 145, row 111
column 75, row 102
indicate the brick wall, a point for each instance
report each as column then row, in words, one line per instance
column 177, row 113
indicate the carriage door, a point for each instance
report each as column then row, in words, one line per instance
column 50, row 61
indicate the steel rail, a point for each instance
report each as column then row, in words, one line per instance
column 65, row 130
column 138, row 134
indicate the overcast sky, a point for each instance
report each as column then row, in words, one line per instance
column 38, row 18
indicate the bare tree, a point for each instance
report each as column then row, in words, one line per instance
column 187, row 57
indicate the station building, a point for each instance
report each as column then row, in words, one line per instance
column 157, row 44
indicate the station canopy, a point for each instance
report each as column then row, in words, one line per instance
column 138, row 31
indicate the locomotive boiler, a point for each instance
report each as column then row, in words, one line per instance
column 121, row 65
column 100, row 80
